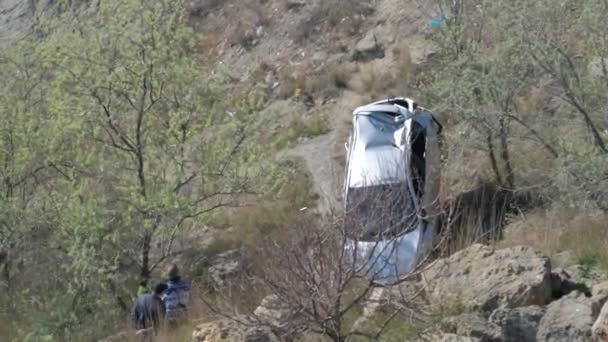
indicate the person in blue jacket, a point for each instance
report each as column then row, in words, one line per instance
column 176, row 298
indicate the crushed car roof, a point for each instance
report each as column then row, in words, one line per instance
column 377, row 156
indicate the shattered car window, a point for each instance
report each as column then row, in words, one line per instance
column 381, row 211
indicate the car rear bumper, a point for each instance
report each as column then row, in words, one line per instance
column 389, row 261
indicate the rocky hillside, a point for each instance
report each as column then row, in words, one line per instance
column 247, row 153
column 478, row 294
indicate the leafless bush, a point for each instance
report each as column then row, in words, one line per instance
column 320, row 272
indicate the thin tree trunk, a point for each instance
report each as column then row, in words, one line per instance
column 492, row 156
column 145, row 257
column 504, row 149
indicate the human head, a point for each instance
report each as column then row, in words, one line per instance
column 160, row 288
column 173, row 272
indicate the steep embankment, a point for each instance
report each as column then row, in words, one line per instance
column 320, row 60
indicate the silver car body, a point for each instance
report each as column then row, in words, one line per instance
column 381, row 152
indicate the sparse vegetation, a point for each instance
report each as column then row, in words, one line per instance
column 120, row 139
column 300, row 129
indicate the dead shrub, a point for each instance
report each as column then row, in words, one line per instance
column 292, row 81
column 530, row 102
column 340, row 75
column 375, row 81
column 403, row 59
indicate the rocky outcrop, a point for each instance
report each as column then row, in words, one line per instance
column 501, row 295
column 455, row 338
column 512, row 295
column 368, row 49
column 475, row 326
column 230, row 331
column 481, row 277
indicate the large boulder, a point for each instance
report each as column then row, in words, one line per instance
column 518, row 324
column 227, row 330
column 567, row 319
column 481, row 277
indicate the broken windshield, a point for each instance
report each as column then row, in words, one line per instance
column 380, row 211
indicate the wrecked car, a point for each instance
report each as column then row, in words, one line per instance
column 391, row 187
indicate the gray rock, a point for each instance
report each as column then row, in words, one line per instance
column 455, row 338
column 273, row 311
column 519, row 324
column 225, row 265
column 368, row 43
column 368, row 49
column 596, row 66
column 484, row 278
column 475, row 326
column 295, row 4
column 599, row 293
column 600, row 327
column 567, row 319
column 230, row 331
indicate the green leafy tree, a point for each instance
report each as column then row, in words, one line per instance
column 152, row 150
column 26, row 173
column 125, row 154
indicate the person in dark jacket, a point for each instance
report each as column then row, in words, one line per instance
column 148, row 312
column 176, row 298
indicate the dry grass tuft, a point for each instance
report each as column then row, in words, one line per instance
column 530, row 102
column 405, row 65
column 340, row 75
column 292, row 81
column 582, row 232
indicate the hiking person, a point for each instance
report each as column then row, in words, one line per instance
column 176, row 298
column 148, row 312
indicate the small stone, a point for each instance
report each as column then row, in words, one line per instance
column 259, row 31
